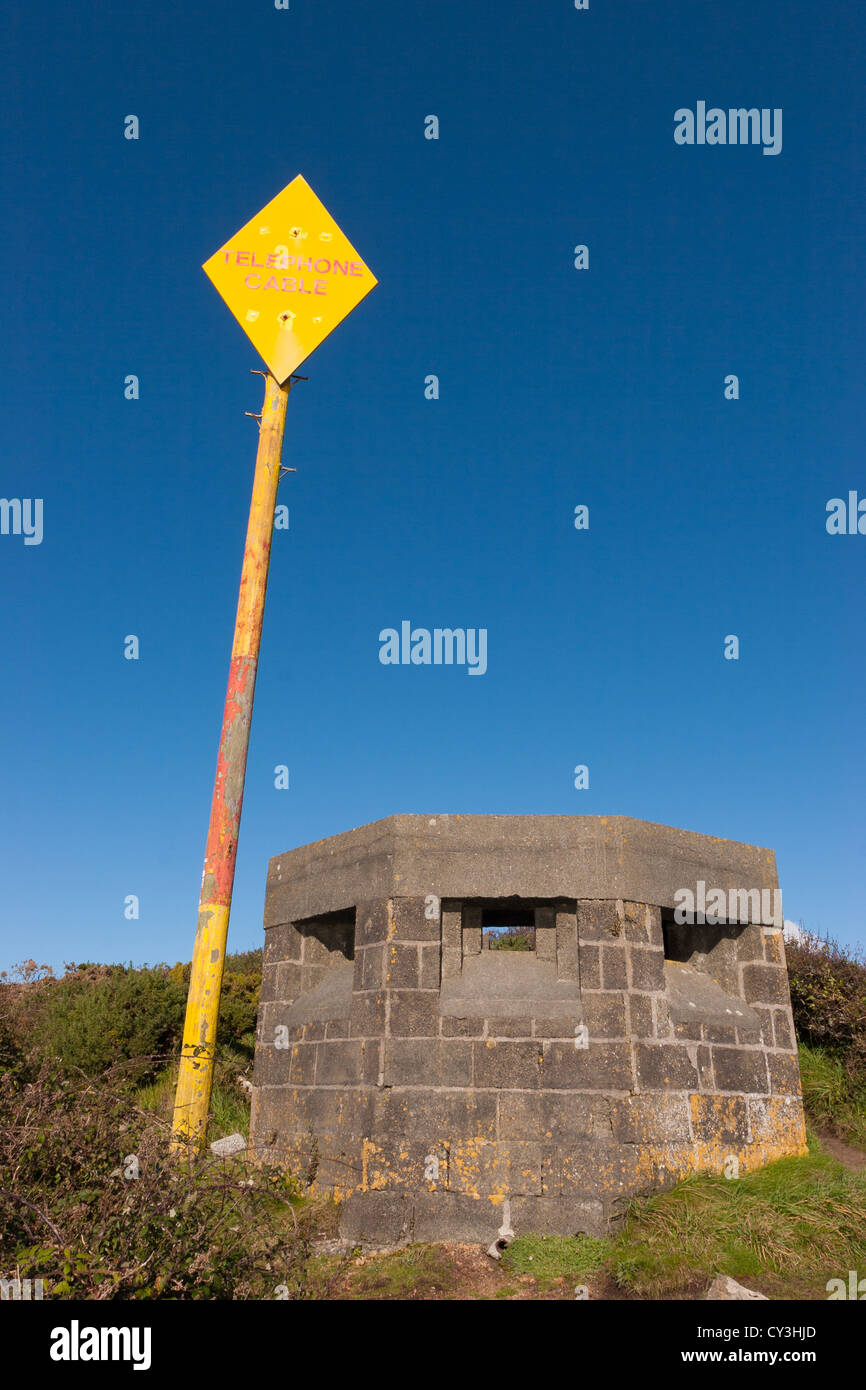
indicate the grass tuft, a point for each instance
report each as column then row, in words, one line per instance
column 796, row 1223
column 549, row 1258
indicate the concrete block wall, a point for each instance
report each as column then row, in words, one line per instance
column 442, row 1095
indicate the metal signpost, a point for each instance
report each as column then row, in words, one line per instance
column 289, row 277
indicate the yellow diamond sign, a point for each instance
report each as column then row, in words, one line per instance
column 289, row 276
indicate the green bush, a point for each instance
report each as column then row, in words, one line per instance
column 96, row 1016
column 834, row 1099
column 828, row 996
column 511, row 940
column 239, row 1000
column 92, row 1024
column 93, row 1201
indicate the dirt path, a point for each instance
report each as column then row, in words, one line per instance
column 846, row 1154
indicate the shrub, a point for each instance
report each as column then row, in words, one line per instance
column 828, row 996
column 90, row 1024
column 93, row 1202
column 239, row 1000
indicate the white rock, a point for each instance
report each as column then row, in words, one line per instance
column 725, row 1288
column 232, row 1144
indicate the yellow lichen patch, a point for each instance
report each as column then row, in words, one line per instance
column 777, row 1123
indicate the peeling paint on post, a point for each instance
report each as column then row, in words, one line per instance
column 192, row 1100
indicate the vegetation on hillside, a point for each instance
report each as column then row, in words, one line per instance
column 828, row 996
column 92, row 1202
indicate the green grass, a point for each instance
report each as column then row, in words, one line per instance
column 793, row 1225
column 229, row 1107
column 417, row 1272
column 832, row 1098
column 548, row 1258
column 787, row 1228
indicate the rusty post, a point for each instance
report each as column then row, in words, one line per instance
column 192, row 1100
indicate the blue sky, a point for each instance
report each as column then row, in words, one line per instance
column 557, row 387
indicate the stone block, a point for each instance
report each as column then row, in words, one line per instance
column 268, row 990
column 605, row 1014
column 597, row 920
column 372, row 923
column 765, row 984
column 368, row 1014
column 272, row 1066
column 403, row 966
column 749, row 944
column 479, row 1168
column 520, row 1115
column 749, row 1037
column 303, row 1064
column 452, row 962
column 662, row 1013
column 377, row 1217
column 507, row 1065
column 428, row 1062
column 312, row 975
column 664, row 1067
column 650, row 1119
column 288, row 981
column 435, row 1116
column 509, row 1027
column 430, row 966
column 635, row 924
column 602, row 1066
column 783, row 1029
column 647, row 968
column 372, row 1061
column 411, row 923
column 784, row 1073
column 340, row 1063
column 614, row 974
column 564, row 1026
column 704, row 1064
column 640, row 1016
column 414, row 1013
column 717, row 1033
column 594, row 1171
column 454, row 1216
column 462, row 1027
column 722, row 1120
column 558, row 1216
column 282, row 942
column 452, row 929
column 740, row 1069
column 589, row 961
column 370, row 967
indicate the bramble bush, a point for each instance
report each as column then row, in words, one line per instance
column 97, row 1015
column 828, row 996
column 93, row 1202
